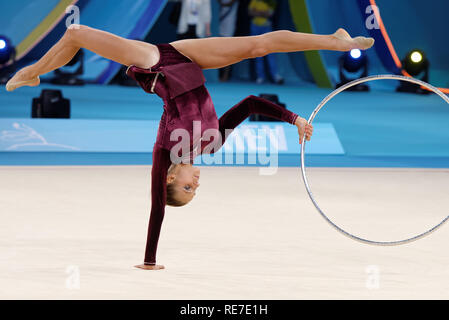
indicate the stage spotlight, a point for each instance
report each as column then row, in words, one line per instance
column 7, row 50
column 416, row 65
column 7, row 59
column 355, row 53
column 353, row 65
column 416, row 57
column 66, row 75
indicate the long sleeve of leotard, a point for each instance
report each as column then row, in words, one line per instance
column 161, row 163
column 253, row 105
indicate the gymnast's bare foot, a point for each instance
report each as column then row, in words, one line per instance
column 22, row 78
column 347, row 43
column 150, row 267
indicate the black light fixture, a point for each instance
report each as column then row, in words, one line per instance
column 416, row 65
column 65, row 76
column 7, row 59
column 353, row 65
column 50, row 104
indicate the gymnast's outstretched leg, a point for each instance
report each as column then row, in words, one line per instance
column 211, row 53
column 207, row 53
column 105, row 44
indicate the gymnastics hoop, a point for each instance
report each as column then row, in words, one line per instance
column 303, row 171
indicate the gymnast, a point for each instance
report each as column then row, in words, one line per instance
column 173, row 71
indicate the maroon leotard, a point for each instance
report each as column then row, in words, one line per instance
column 180, row 83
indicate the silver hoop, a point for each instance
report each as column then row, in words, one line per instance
column 303, row 171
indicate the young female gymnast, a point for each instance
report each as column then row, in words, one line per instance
column 174, row 72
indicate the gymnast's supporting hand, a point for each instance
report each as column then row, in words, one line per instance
column 150, row 267
column 303, row 128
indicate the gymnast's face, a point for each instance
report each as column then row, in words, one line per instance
column 185, row 181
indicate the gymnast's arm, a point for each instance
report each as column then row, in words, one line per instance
column 255, row 105
column 252, row 105
column 161, row 163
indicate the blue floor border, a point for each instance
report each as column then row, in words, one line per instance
column 286, row 160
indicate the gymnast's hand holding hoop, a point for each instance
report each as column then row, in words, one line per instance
column 303, row 127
